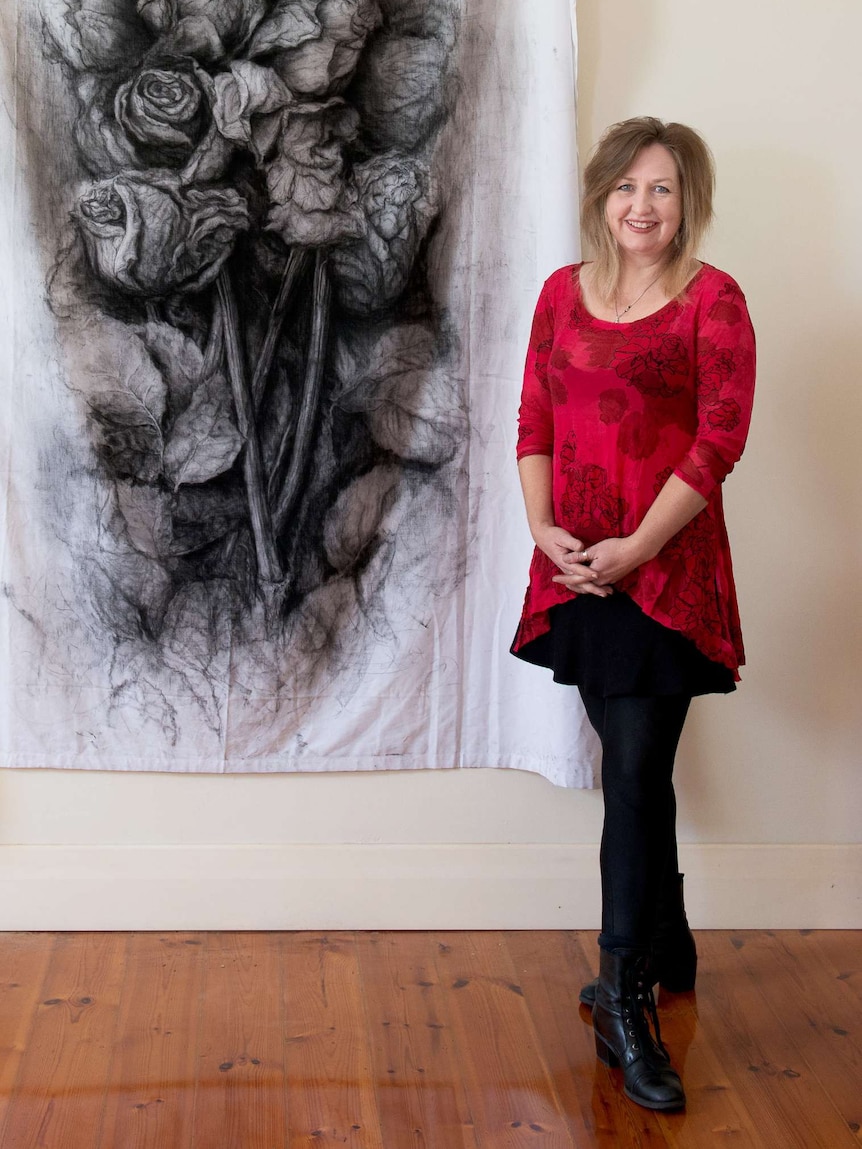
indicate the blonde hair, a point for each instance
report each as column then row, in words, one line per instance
column 616, row 151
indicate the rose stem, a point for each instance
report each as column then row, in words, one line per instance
column 310, row 400
column 293, row 268
column 268, row 562
column 214, row 349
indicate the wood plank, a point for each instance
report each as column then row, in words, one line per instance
column 784, row 1100
column 820, row 1018
column 715, row 1111
column 327, row 1061
column 841, row 954
column 412, row 1052
column 24, row 960
column 551, row 966
column 510, row 1090
column 62, row 1080
column 152, row 1075
column 137, row 1040
column 240, row 1082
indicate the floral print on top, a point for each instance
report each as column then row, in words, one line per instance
column 622, row 406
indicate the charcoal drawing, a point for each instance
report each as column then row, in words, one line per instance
column 265, row 370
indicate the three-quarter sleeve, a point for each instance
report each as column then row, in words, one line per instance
column 535, row 416
column 725, row 390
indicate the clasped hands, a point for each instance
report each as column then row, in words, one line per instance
column 593, row 569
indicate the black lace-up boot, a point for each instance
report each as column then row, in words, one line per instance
column 673, row 954
column 622, row 1013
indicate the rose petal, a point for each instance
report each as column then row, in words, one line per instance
column 247, row 99
column 95, row 35
column 289, row 24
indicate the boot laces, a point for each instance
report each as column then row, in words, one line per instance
column 643, row 993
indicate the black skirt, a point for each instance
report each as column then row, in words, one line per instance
column 610, row 647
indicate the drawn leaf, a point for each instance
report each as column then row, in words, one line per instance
column 180, row 359
column 203, row 514
column 125, row 392
column 417, row 417
column 147, row 514
column 353, row 523
column 128, row 589
column 413, row 409
column 204, row 441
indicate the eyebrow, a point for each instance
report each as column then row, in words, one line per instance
column 657, row 180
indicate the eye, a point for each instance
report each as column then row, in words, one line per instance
column 662, row 189
column 624, row 187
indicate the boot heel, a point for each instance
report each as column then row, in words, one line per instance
column 606, row 1055
column 678, row 977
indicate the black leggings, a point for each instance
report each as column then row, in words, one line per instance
column 638, row 856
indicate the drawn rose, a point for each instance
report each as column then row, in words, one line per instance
column 200, row 28
column 159, row 117
column 151, row 236
column 314, row 45
column 95, row 35
column 311, row 203
column 397, row 199
column 400, row 90
column 247, row 107
column 166, row 108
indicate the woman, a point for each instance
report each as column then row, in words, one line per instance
column 636, row 403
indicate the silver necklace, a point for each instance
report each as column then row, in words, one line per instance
column 626, row 310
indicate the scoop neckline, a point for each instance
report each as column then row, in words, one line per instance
column 611, row 323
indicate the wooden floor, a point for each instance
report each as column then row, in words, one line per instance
column 412, row 1041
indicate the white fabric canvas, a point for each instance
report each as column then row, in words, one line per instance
column 266, row 294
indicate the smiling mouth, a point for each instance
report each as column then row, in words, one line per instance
column 641, row 224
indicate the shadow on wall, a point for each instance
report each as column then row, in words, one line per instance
column 795, row 505
column 798, row 562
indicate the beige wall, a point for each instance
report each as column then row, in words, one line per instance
column 773, row 84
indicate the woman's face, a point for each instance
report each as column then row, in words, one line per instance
column 644, row 207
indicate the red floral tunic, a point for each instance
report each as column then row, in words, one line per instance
column 622, row 406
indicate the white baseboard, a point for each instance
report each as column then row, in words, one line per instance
column 406, row 887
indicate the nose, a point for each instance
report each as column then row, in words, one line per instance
column 642, row 203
